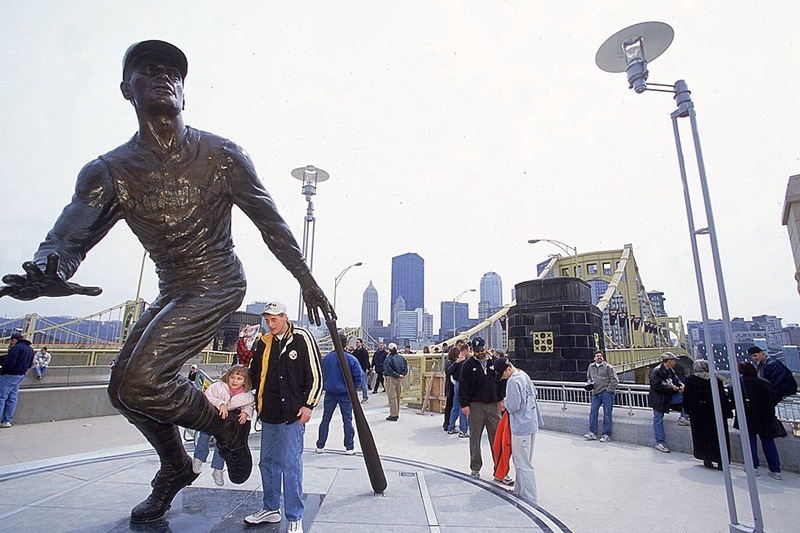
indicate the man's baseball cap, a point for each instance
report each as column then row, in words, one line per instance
column 392, row 346
column 274, row 308
column 500, row 365
column 478, row 344
column 668, row 356
column 162, row 48
column 194, row 367
column 17, row 336
column 754, row 350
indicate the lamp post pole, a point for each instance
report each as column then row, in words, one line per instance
column 629, row 51
column 310, row 176
column 571, row 251
column 455, row 301
column 338, row 278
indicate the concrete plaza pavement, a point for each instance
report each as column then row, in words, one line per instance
column 582, row 486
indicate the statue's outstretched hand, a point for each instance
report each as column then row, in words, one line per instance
column 317, row 302
column 36, row 283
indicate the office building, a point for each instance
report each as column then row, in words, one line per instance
column 369, row 306
column 408, row 282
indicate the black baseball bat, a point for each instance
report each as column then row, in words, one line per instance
column 368, row 449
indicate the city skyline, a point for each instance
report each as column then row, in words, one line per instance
column 459, row 131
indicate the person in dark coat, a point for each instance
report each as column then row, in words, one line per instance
column 760, row 415
column 699, row 405
column 780, row 377
column 449, row 364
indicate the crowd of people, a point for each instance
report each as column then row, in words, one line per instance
column 284, row 375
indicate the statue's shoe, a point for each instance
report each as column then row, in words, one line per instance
column 165, row 486
column 234, row 449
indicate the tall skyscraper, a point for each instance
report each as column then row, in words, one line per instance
column 491, row 302
column 492, row 289
column 408, row 282
column 369, row 306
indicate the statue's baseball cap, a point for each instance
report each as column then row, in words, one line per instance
column 161, row 48
column 274, row 308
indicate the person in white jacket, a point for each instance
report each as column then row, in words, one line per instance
column 525, row 420
column 41, row 362
column 232, row 396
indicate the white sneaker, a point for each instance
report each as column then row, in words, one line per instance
column 605, row 438
column 350, row 452
column 264, row 517
column 756, row 472
column 197, row 465
column 590, row 436
column 5, row 425
column 320, row 450
column 774, row 475
column 662, row 447
column 296, row 526
column 217, row 476
column 684, row 422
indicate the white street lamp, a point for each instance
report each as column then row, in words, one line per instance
column 628, row 51
column 570, row 250
column 455, row 300
column 310, row 176
column 338, row 278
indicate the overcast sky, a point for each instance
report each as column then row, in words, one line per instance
column 454, row 129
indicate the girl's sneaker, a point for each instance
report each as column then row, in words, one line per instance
column 197, row 465
column 219, row 479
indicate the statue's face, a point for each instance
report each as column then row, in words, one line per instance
column 155, row 86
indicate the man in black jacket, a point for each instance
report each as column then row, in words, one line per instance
column 17, row 362
column 665, row 391
column 286, row 371
column 769, row 368
column 480, row 397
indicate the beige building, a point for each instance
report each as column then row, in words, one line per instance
column 791, row 219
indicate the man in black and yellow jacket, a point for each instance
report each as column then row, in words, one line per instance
column 286, row 371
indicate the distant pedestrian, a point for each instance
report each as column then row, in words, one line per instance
column 525, row 419
column 192, row 374
column 335, row 387
column 602, row 379
column 479, row 395
column 41, row 362
column 699, row 404
column 377, row 365
column 759, row 412
column 362, row 355
column 771, row 369
column 665, row 391
column 18, row 360
column 456, row 414
column 395, row 369
column 449, row 363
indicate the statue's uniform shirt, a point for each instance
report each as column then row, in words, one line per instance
column 179, row 206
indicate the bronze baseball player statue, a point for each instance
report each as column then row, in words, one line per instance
column 175, row 187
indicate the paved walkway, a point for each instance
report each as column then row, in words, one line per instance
column 85, row 475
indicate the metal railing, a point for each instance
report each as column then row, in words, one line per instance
column 104, row 356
